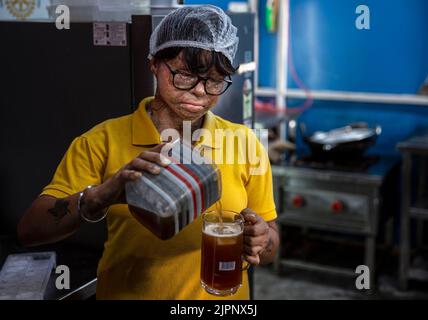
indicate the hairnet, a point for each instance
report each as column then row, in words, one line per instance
column 206, row 27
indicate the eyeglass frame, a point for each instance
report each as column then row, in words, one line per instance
column 205, row 79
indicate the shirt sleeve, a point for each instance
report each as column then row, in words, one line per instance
column 80, row 167
column 259, row 184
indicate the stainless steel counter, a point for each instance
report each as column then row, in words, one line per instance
column 413, row 186
column 81, row 261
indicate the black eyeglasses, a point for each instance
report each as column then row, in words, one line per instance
column 185, row 81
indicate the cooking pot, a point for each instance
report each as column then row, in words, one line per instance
column 345, row 142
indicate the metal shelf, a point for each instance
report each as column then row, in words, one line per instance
column 420, row 209
column 298, row 264
column 418, row 274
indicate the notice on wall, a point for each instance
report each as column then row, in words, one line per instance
column 109, row 34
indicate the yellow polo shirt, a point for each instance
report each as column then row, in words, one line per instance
column 135, row 263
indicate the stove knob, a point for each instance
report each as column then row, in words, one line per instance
column 337, row 206
column 298, row 201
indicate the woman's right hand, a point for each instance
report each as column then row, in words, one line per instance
column 112, row 191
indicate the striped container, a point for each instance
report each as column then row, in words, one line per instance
column 165, row 203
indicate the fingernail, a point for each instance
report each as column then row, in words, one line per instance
column 137, row 174
column 155, row 169
column 165, row 160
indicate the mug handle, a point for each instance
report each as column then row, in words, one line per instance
column 248, row 265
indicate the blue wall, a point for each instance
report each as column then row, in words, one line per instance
column 267, row 50
column 330, row 53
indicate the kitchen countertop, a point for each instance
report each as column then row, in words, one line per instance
column 82, row 262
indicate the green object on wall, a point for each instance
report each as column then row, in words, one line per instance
column 271, row 14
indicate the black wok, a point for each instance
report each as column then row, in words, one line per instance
column 350, row 141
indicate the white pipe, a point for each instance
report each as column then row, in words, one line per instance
column 387, row 98
column 282, row 59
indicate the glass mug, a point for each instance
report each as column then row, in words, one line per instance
column 221, row 252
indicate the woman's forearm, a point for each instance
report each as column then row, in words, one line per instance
column 51, row 219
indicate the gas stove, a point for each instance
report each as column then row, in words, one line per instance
column 342, row 195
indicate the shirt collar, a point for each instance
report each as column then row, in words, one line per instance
column 210, row 126
column 144, row 132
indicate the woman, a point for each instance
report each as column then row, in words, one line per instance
column 191, row 55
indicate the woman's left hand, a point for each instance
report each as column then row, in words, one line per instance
column 256, row 236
